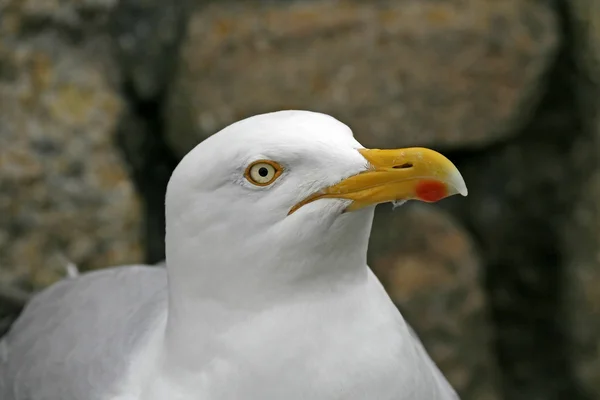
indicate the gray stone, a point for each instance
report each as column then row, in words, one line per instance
column 64, row 189
column 452, row 74
column 429, row 265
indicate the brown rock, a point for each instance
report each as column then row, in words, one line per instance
column 64, row 190
column 452, row 73
column 429, row 266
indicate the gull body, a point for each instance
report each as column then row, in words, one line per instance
column 266, row 292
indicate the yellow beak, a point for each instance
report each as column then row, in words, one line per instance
column 395, row 175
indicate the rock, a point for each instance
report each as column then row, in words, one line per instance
column 452, row 74
column 520, row 193
column 428, row 264
column 147, row 34
column 64, row 189
column 67, row 16
column 581, row 236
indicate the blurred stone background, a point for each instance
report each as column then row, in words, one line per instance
column 99, row 99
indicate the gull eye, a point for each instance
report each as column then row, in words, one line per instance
column 263, row 172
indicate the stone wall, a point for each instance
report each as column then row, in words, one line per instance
column 101, row 98
column 65, row 193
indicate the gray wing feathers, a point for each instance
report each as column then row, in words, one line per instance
column 71, row 341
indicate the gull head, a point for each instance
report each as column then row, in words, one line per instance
column 288, row 196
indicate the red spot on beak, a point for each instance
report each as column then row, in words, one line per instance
column 431, row 191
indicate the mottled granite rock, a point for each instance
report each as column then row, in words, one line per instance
column 582, row 228
column 452, row 74
column 64, row 190
column 428, row 264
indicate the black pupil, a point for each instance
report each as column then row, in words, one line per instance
column 262, row 171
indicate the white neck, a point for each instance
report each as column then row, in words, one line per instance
column 212, row 290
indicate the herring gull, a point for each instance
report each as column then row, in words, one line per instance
column 266, row 293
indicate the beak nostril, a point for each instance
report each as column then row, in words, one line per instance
column 403, row 166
